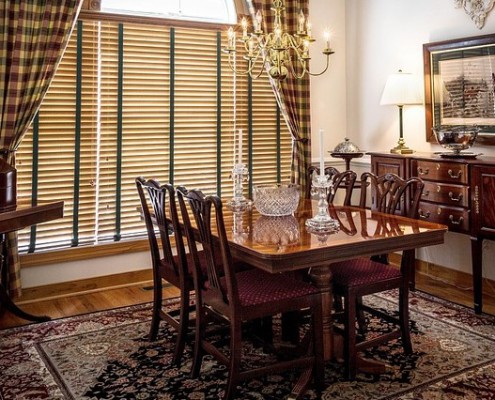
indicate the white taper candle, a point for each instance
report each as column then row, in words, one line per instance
column 235, row 148
column 322, row 161
column 240, row 146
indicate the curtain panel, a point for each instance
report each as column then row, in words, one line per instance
column 293, row 95
column 33, row 37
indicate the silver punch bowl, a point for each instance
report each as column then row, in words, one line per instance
column 456, row 138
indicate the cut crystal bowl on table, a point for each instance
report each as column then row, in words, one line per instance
column 276, row 199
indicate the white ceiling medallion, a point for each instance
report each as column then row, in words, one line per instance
column 476, row 9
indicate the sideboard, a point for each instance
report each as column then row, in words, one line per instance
column 459, row 193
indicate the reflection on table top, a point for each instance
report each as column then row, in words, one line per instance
column 283, row 243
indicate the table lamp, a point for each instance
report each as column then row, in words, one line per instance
column 401, row 89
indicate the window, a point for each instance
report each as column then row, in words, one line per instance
column 218, row 11
column 132, row 99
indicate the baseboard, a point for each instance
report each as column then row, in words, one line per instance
column 83, row 286
column 64, row 289
column 448, row 276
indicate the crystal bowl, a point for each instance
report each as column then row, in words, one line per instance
column 456, row 138
column 275, row 200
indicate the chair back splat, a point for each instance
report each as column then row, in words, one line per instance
column 341, row 180
column 236, row 298
column 389, row 193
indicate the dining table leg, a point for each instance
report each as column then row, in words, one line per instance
column 321, row 277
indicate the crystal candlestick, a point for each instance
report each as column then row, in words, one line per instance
column 240, row 233
column 322, row 222
column 240, row 174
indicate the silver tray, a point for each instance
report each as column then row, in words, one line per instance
column 458, row 155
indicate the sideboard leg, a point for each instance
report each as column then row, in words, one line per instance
column 477, row 264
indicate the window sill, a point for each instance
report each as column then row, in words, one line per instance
column 83, row 253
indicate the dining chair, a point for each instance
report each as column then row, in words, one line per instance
column 236, row 298
column 161, row 218
column 345, row 179
column 364, row 276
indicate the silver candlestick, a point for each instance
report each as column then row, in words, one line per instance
column 322, row 222
column 240, row 174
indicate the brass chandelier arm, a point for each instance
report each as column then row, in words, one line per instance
column 262, row 68
column 251, row 65
column 241, row 73
column 326, row 67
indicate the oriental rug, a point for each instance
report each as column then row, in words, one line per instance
column 107, row 355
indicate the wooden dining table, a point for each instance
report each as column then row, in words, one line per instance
column 282, row 244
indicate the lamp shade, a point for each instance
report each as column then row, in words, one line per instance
column 401, row 89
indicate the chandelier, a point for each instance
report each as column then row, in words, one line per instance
column 279, row 53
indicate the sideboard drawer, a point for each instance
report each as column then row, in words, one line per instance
column 454, row 195
column 440, row 171
column 456, row 218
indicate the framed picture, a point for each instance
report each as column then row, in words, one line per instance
column 460, row 85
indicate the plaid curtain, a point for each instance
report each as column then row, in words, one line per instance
column 33, row 37
column 293, row 95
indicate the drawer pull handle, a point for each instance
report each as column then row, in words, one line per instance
column 458, row 222
column 422, row 171
column 423, row 215
column 426, row 193
column 477, row 199
column 454, row 176
column 458, row 198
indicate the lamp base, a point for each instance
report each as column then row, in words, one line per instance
column 401, row 148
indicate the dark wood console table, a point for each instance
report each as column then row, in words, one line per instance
column 459, row 193
column 11, row 221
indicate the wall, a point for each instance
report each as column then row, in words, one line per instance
column 381, row 37
column 76, row 270
column 328, row 91
column 384, row 36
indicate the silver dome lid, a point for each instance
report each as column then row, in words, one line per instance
column 346, row 147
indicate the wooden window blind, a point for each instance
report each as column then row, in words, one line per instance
column 131, row 99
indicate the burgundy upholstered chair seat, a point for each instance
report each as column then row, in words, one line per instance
column 257, row 287
column 362, row 271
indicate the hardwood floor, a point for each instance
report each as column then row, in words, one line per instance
column 142, row 292
column 455, row 294
column 86, row 303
